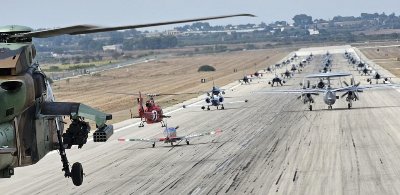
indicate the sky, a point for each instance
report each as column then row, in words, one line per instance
column 59, row 13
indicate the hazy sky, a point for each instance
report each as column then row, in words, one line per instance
column 57, row 13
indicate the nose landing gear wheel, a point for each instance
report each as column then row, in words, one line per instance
column 208, row 108
column 310, row 107
column 348, row 105
column 187, row 142
column 77, row 174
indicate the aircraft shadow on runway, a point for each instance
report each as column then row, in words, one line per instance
column 237, row 108
column 163, row 145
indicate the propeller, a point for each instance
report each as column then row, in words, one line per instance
column 354, row 90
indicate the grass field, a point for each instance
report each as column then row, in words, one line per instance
column 386, row 57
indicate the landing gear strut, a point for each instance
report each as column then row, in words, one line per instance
column 141, row 124
column 77, row 170
column 310, row 107
column 162, row 124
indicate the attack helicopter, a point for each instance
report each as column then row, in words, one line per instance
column 31, row 121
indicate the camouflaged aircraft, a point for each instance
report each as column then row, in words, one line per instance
column 31, row 121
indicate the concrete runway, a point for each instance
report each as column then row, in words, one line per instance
column 270, row 145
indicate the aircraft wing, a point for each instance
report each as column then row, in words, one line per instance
column 141, row 140
column 86, row 29
column 328, row 75
column 218, row 131
column 74, row 110
column 235, row 102
column 367, row 87
column 294, row 91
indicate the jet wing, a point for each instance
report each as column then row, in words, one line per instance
column 294, row 91
column 235, row 102
column 328, row 75
column 86, row 29
column 367, row 87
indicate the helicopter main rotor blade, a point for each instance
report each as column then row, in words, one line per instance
column 57, row 31
column 86, row 29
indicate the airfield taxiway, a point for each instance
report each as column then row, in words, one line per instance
column 270, row 145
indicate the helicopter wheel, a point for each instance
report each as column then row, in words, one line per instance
column 310, row 107
column 187, row 142
column 77, row 174
column 141, row 124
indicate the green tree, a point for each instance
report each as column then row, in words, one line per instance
column 302, row 20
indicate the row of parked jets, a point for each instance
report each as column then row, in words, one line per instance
column 324, row 84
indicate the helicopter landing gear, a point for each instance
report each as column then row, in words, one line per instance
column 163, row 124
column 77, row 174
column 141, row 124
column 203, row 107
column 77, row 170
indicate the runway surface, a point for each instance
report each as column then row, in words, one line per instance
column 270, row 145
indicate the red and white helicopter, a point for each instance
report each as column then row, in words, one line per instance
column 149, row 112
column 171, row 137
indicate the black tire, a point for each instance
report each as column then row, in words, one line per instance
column 348, row 106
column 187, row 142
column 310, row 107
column 222, row 107
column 154, row 145
column 208, row 108
column 172, row 143
column 77, row 174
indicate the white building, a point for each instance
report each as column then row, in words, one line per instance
column 117, row 48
